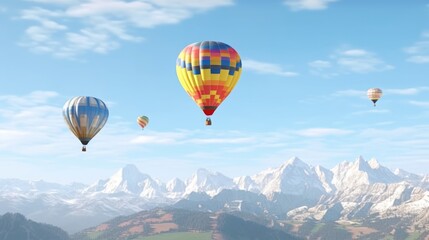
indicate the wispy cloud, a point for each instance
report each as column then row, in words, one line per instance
column 406, row 91
column 388, row 91
column 238, row 140
column 267, row 68
column 420, row 103
column 31, row 122
column 419, row 51
column 322, row 132
column 68, row 28
column 349, row 60
column 360, row 61
column 298, row 5
column 372, row 111
column 36, row 132
column 188, row 137
column 55, row 1
column 159, row 138
column 350, row 93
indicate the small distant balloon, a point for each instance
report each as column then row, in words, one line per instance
column 85, row 117
column 374, row 94
column 142, row 121
column 208, row 71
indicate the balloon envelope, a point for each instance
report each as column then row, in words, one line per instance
column 374, row 94
column 142, row 121
column 208, row 71
column 85, row 117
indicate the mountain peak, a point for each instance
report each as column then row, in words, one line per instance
column 175, row 185
column 296, row 162
column 361, row 164
column 203, row 171
column 130, row 169
column 205, row 180
column 374, row 164
column 126, row 179
column 360, row 159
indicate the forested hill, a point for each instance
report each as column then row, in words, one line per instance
column 172, row 223
column 14, row 226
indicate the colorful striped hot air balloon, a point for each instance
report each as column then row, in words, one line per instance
column 374, row 94
column 85, row 117
column 208, row 71
column 142, row 121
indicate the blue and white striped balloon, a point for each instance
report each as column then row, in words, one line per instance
column 85, row 116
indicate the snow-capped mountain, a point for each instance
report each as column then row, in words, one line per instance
column 294, row 177
column 294, row 189
column 127, row 180
column 361, row 172
column 209, row 182
column 411, row 177
column 176, row 185
column 366, row 189
column 175, row 188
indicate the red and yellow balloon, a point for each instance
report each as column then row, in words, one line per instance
column 208, row 71
column 142, row 121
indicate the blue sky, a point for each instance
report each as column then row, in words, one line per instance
column 306, row 67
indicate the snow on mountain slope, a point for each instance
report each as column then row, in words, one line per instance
column 131, row 181
column 360, row 172
column 410, row 177
column 210, row 182
column 293, row 177
column 175, row 188
column 325, row 177
column 246, row 183
column 175, row 185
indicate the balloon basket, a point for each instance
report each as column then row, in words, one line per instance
column 208, row 122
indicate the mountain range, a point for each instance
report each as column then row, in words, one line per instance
column 352, row 192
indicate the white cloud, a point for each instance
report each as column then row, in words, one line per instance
column 267, row 68
column 55, row 1
column 349, row 60
column 68, row 28
column 406, row 91
column 159, row 138
column 420, row 103
column 187, row 138
column 389, row 91
column 320, row 64
column 350, row 93
column 32, row 99
column 32, row 122
column 221, row 140
column 372, row 111
column 321, row 132
column 36, row 133
column 297, row 5
column 360, row 61
column 419, row 51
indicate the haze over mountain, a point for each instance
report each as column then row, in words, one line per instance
column 294, row 190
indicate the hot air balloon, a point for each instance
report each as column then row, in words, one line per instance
column 374, row 94
column 208, row 71
column 85, row 117
column 142, row 121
